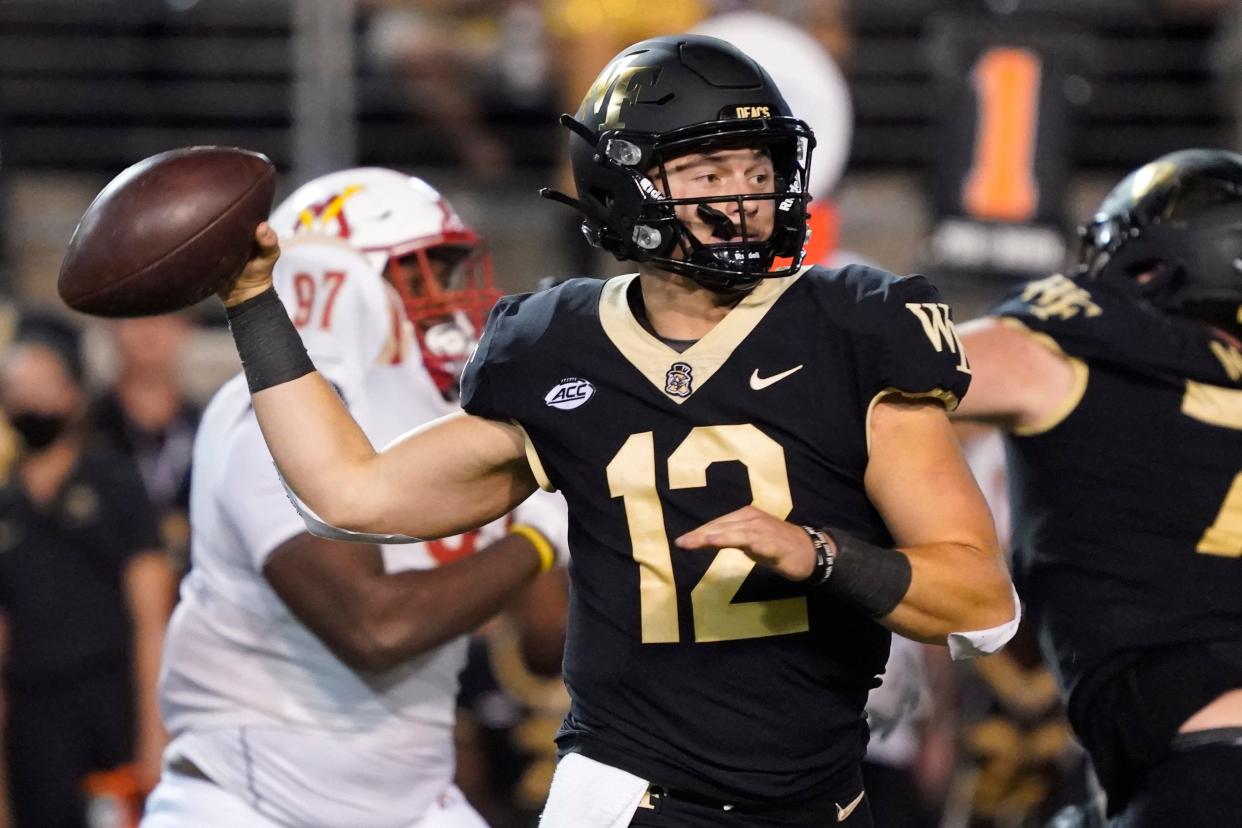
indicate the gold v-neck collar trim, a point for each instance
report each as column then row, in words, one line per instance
column 675, row 374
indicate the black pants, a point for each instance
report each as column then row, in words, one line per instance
column 1194, row 787
column 1127, row 712
column 55, row 736
column 895, row 798
column 673, row 812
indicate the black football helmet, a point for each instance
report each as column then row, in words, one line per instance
column 1177, row 224
column 666, row 97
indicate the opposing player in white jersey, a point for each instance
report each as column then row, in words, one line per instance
column 310, row 681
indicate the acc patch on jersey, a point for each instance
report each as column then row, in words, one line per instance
column 570, row 393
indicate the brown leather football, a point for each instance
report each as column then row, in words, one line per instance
column 167, row 232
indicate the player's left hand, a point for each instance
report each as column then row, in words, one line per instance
column 766, row 540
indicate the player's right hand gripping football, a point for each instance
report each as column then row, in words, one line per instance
column 256, row 276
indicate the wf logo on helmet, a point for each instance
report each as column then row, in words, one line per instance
column 570, row 393
column 616, row 87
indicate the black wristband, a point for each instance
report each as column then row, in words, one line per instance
column 269, row 346
column 873, row 578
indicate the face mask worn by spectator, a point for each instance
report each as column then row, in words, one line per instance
column 38, row 431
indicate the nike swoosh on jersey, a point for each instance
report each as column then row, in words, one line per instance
column 759, row 383
column 844, row 813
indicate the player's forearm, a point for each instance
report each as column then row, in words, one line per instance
column 316, row 444
column 147, row 647
column 1019, row 379
column 426, row 485
column 954, row 587
column 149, row 584
column 412, row 612
column 539, row 615
column 320, row 451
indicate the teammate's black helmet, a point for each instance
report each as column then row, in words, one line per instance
column 665, row 97
column 1179, row 218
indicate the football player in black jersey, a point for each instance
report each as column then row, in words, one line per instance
column 1121, row 392
column 761, row 477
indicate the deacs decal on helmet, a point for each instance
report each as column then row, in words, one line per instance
column 1171, row 234
column 667, row 97
column 814, row 87
column 436, row 263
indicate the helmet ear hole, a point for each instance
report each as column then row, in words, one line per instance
column 1147, row 270
column 1149, row 277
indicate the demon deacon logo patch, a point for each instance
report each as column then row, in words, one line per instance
column 678, row 380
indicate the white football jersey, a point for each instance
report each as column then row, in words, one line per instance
column 248, row 693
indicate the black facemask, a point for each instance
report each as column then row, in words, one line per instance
column 38, row 431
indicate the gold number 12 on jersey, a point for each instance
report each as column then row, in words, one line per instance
column 632, row 476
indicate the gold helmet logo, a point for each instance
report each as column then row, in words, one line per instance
column 1150, row 177
column 615, row 88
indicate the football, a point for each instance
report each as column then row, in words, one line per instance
column 167, row 232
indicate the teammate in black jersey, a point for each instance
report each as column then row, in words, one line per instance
column 1121, row 391
column 742, row 441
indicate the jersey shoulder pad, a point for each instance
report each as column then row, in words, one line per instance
column 860, row 297
column 1064, row 309
column 904, row 334
column 1098, row 323
column 514, row 327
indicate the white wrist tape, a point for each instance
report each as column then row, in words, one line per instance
column 963, row 645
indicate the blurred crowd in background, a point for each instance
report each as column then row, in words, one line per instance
column 967, row 141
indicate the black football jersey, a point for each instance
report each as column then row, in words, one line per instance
column 1128, row 505
column 700, row 670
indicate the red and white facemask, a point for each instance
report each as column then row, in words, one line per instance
column 447, row 291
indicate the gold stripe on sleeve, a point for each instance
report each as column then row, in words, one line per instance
column 532, row 459
column 947, row 397
column 1078, row 388
column 1213, row 405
